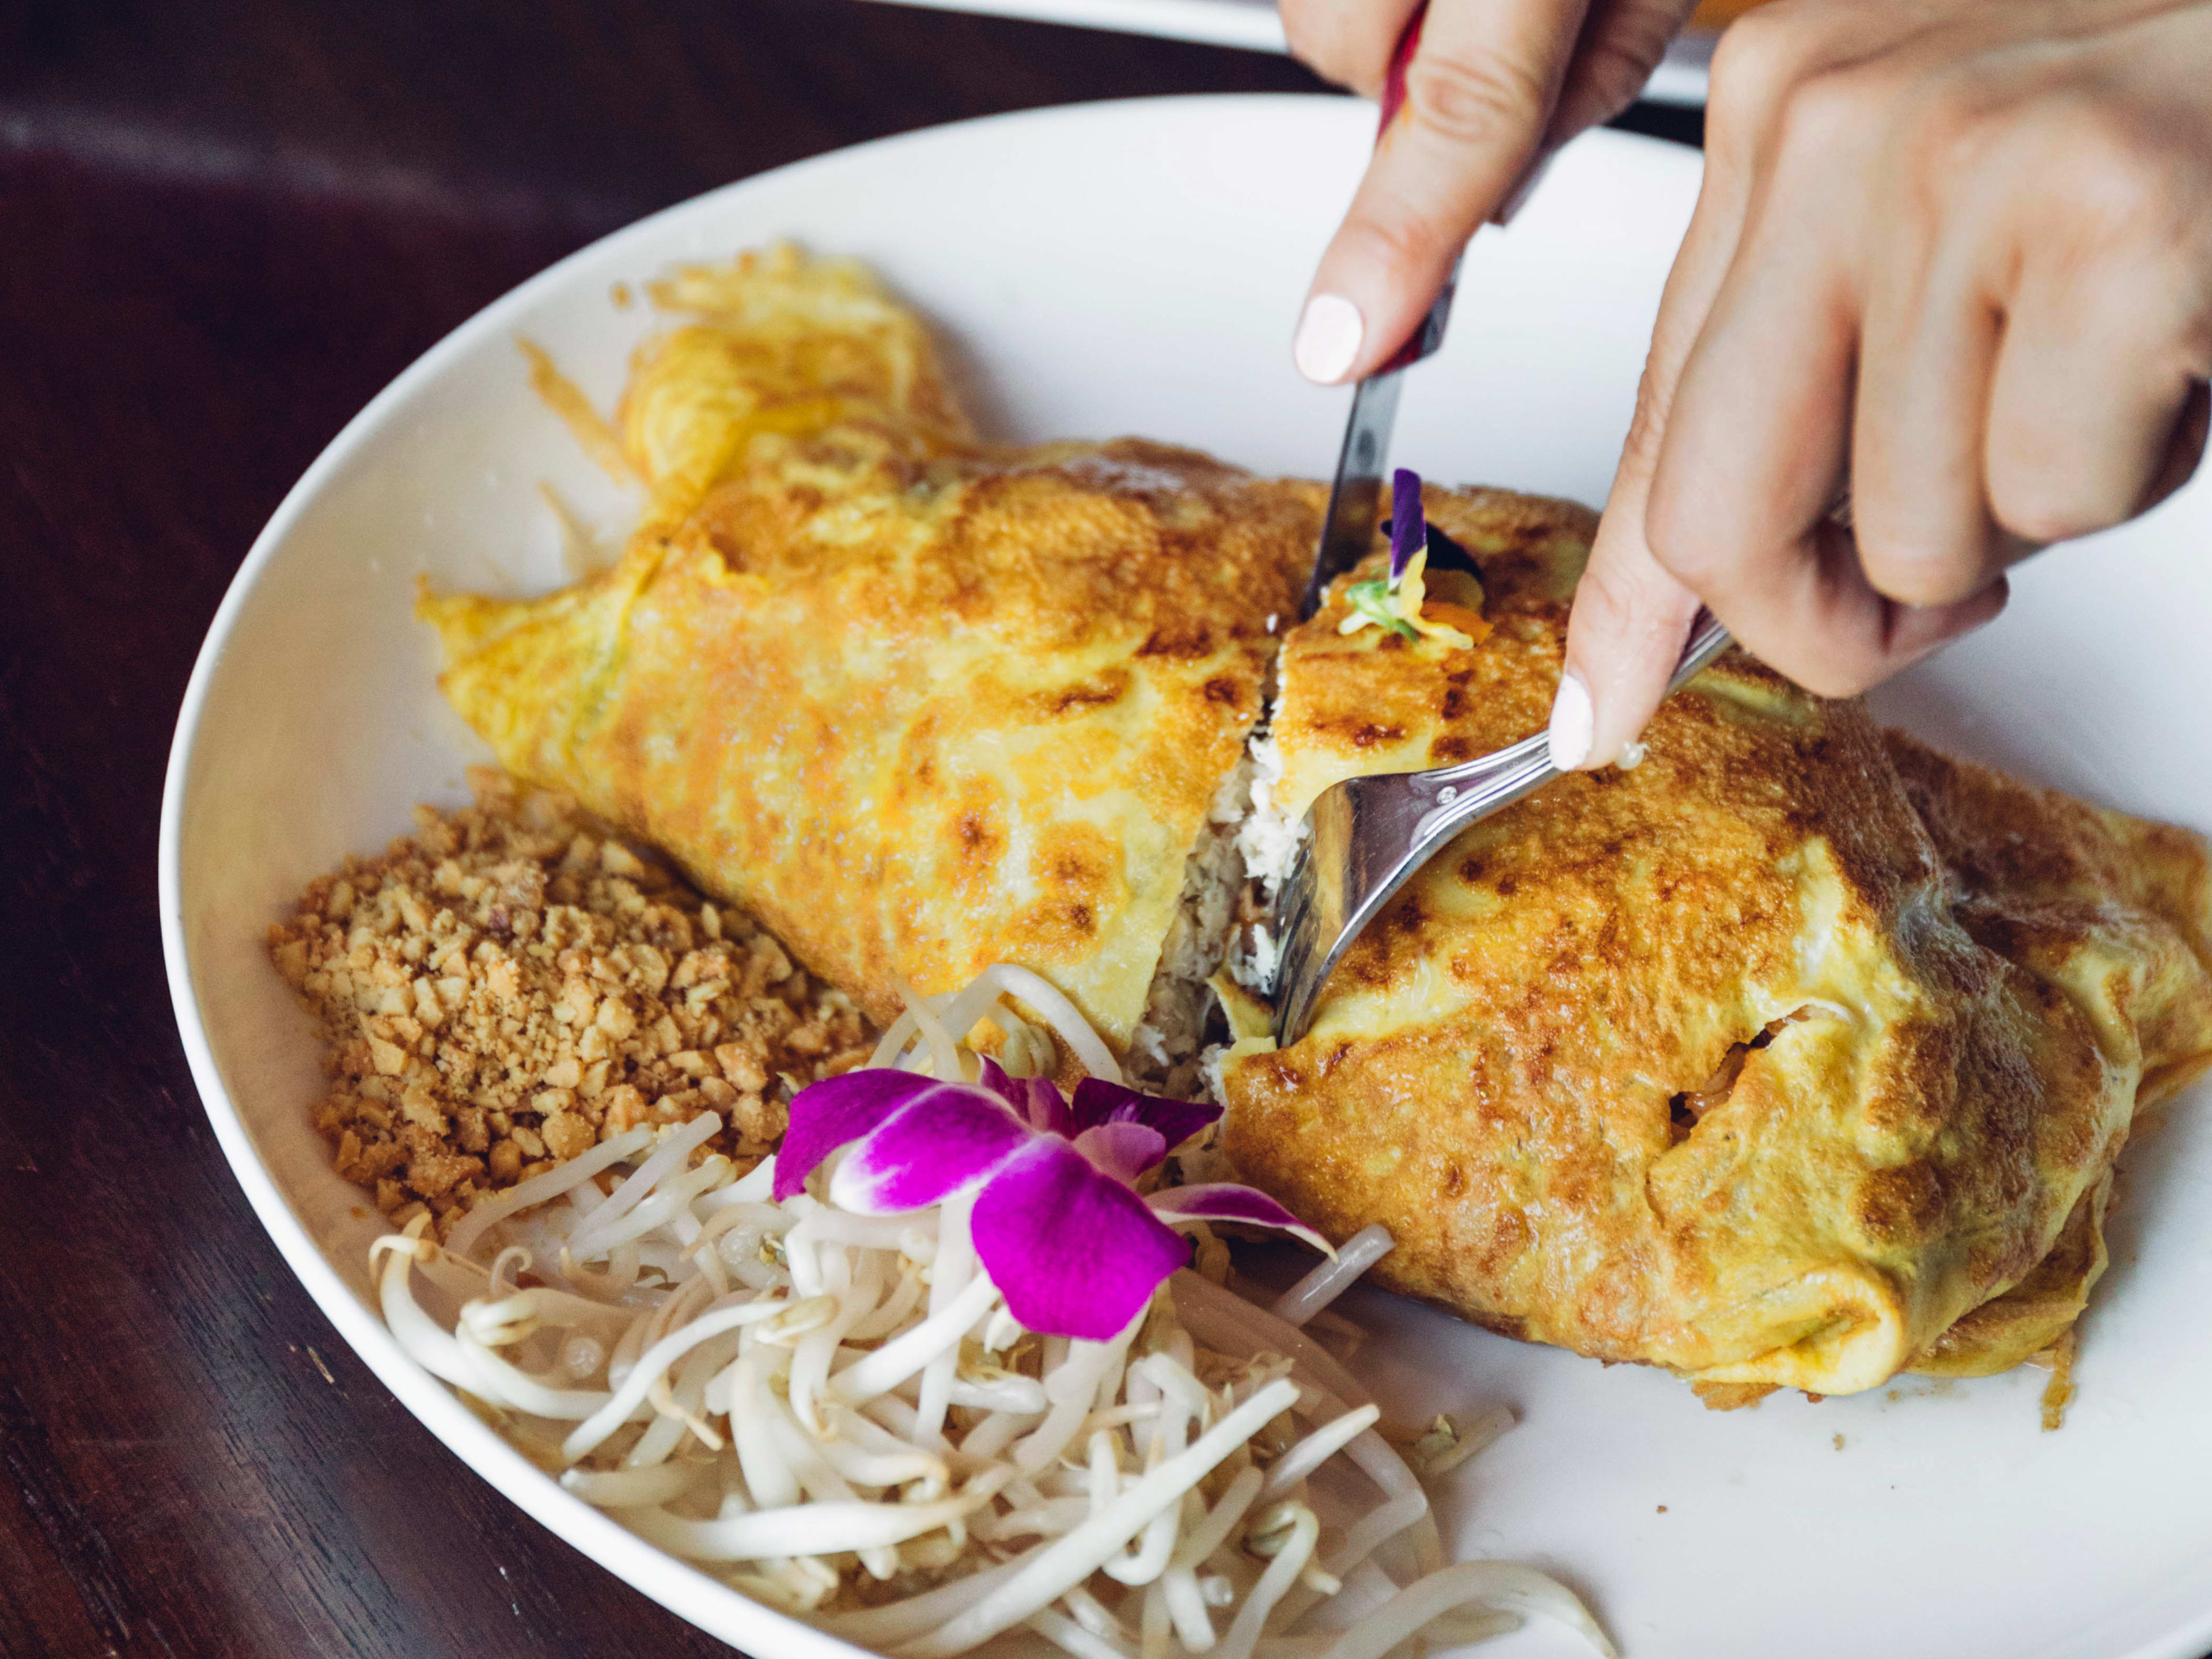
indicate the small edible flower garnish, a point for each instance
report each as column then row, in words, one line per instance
column 1057, row 1221
column 1395, row 603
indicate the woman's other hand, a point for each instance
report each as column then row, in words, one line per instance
column 1956, row 258
column 1493, row 87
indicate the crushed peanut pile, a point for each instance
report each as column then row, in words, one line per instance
column 512, row 983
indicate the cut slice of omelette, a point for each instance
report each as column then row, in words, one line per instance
column 919, row 704
column 1794, row 1056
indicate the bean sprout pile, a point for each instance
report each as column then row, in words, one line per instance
column 834, row 1412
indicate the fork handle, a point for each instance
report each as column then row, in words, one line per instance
column 1708, row 638
column 1440, row 803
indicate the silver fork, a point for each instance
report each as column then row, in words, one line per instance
column 1367, row 837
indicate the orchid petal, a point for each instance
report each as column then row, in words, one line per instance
column 1097, row 1101
column 947, row 1139
column 1225, row 1200
column 1048, row 1110
column 1124, row 1151
column 995, row 1079
column 1408, row 528
column 1037, row 1100
column 1074, row 1252
column 835, row 1111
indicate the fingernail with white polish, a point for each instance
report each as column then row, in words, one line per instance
column 1328, row 338
column 1574, row 724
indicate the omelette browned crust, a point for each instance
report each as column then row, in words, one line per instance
column 1725, row 1063
column 2116, row 911
column 919, row 705
column 1795, row 1055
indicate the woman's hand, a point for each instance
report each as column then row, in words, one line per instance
column 1494, row 86
column 1954, row 258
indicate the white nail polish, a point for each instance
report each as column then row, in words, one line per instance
column 1328, row 338
column 1574, row 724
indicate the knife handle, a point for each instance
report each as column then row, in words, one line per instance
column 1394, row 78
column 1430, row 333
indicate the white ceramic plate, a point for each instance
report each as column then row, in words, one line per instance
column 1680, row 78
column 1134, row 268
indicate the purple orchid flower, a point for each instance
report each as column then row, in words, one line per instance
column 1409, row 530
column 1057, row 1221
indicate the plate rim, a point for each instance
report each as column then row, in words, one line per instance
column 1678, row 79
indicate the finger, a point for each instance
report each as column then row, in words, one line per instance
column 1806, row 608
column 1622, row 43
column 1928, row 347
column 1818, row 620
column 1630, row 616
column 2093, row 388
column 1623, row 637
column 1478, row 92
column 1758, row 441
column 1346, row 41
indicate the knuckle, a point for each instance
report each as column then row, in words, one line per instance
column 2102, row 134
column 1605, row 596
column 1950, row 131
column 1761, row 56
column 1820, row 112
column 2090, row 169
column 1624, row 609
column 1476, row 100
column 1754, row 54
column 2116, row 170
column 1402, row 242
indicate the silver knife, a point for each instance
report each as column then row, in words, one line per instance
column 1347, row 530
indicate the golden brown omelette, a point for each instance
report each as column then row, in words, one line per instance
column 1785, row 1058
column 1795, row 1056
column 919, row 704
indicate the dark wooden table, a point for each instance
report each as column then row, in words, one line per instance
column 222, row 226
